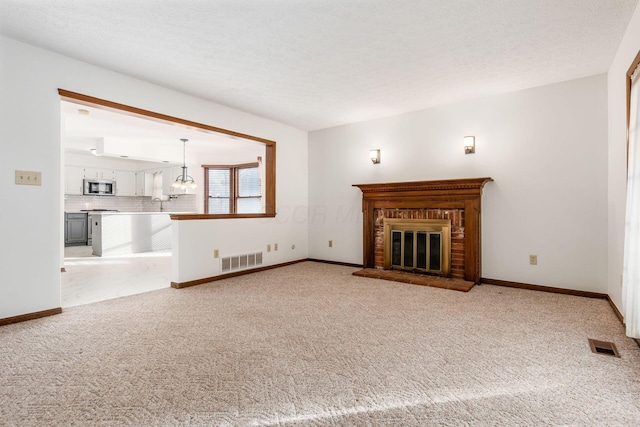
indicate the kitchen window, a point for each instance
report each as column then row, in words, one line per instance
column 234, row 189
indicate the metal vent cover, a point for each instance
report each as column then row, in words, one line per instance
column 240, row 262
column 603, row 347
column 225, row 264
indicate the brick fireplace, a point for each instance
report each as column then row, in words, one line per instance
column 456, row 201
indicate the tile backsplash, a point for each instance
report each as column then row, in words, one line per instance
column 183, row 203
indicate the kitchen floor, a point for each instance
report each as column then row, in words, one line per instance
column 91, row 278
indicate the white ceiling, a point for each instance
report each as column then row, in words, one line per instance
column 82, row 132
column 318, row 64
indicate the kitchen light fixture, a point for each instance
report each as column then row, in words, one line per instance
column 469, row 144
column 184, row 181
column 374, row 155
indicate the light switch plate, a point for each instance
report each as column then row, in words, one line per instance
column 28, row 178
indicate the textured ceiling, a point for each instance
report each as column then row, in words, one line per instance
column 318, row 64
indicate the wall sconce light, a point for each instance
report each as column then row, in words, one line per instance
column 469, row 144
column 374, row 155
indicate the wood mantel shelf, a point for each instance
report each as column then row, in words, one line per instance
column 441, row 194
column 447, row 186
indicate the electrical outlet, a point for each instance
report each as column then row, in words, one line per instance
column 275, row 247
column 216, row 253
column 330, row 243
column 533, row 259
column 269, row 248
column 28, row 178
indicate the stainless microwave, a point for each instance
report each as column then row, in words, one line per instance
column 99, row 187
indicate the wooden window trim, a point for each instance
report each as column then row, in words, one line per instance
column 269, row 157
column 632, row 68
column 206, row 189
column 233, row 184
column 239, row 166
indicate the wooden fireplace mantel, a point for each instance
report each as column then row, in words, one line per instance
column 443, row 194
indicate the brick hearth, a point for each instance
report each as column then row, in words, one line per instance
column 416, row 279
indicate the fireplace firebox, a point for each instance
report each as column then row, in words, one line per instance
column 420, row 246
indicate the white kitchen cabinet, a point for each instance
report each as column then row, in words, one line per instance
column 144, row 183
column 98, row 173
column 73, row 176
column 125, row 183
column 167, row 180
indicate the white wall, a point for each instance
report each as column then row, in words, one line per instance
column 617, row 97
column 197, row 240
column 545, row 148
column 30, row 222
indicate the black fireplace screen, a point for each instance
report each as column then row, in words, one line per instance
column 416, row 250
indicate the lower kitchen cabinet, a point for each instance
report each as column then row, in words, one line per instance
column 75, row 229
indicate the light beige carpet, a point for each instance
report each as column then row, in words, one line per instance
column 312, row 345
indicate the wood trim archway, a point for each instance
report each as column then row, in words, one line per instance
column 270, row 146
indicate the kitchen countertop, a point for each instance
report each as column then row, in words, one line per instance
column 127, row 213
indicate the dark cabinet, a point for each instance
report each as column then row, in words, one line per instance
column 75, row 229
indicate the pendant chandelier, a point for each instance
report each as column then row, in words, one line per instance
column 184, row 181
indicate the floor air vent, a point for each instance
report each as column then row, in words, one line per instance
column 240, row 262
column 603, row 347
